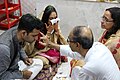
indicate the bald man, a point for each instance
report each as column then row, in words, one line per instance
column 99, row 62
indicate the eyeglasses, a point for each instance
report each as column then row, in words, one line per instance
column 105, row 19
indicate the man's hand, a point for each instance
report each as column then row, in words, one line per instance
column 48, row 43
column 28, row 61
column 26, row 74
column 45, row 40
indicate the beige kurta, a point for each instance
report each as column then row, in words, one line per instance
column 113, row 43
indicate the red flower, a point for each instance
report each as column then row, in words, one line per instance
column 118, row 45
column 114, row 52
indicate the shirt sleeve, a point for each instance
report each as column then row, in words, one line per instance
column 5, row 72
column 65, row 50
column 78, row 74
column 23, row 55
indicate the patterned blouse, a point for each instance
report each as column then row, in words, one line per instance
column 113, row 43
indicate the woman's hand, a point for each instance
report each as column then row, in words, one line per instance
column 56, row 28
column 49, row 27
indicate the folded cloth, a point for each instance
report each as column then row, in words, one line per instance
column 52, row 55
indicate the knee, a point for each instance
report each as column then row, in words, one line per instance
column 38, row 62
column 45, row 60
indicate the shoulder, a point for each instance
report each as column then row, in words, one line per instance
column 4, row 48
column 112, row 42
column 7, row 37
column 4, row 51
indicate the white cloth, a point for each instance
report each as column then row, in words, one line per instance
column 100, row 64
column 35, row 68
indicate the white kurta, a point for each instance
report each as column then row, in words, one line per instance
column 100, row 64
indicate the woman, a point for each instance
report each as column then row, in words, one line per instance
column 111, row 36
column 38, row 51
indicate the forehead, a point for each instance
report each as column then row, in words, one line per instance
column 71, row 34
column 35, row 32
column 107, row 14
column 53, row 14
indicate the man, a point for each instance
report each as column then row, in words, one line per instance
column 11, row 49
column 99, row 62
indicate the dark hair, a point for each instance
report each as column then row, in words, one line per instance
column 85, row 40
column 48, row 10
column 115, row 15
column 29, row 22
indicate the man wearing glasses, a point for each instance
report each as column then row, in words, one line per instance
column 99, row 62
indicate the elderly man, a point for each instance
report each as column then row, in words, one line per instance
column 99, row 62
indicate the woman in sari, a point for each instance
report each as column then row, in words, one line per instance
column 50, row 57
column 111, row 36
